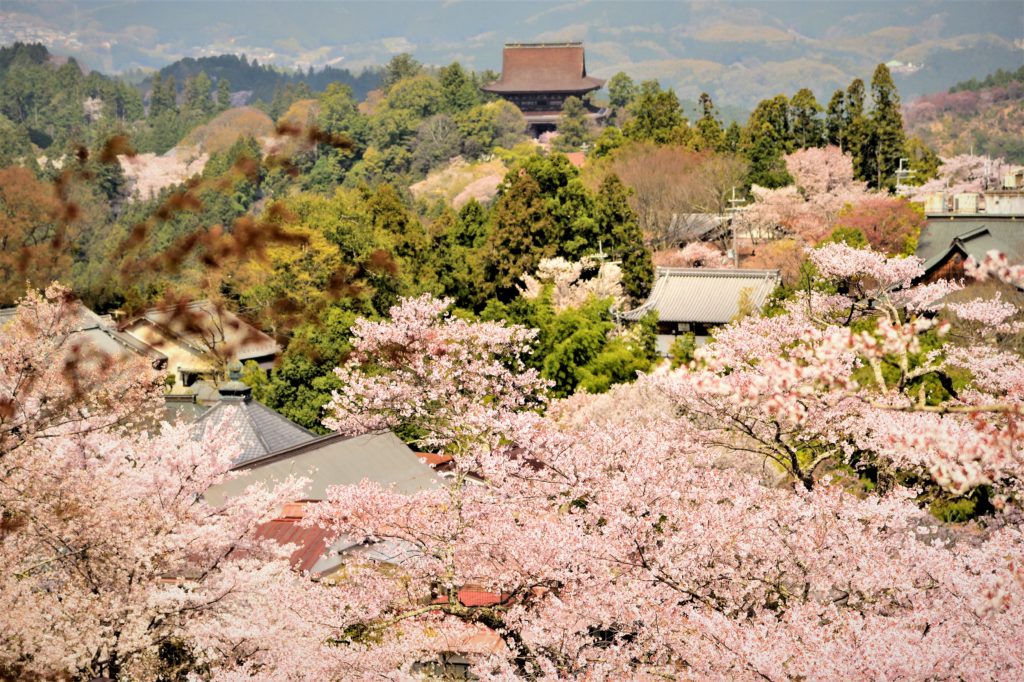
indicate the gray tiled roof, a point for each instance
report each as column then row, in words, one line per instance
column 99, row 333
column 976, row 236
column 705, row 295
column 261, row 431
column 336, row 460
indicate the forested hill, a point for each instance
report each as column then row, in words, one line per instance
column 984, row 116
column 264, row 80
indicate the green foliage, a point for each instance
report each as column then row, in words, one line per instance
column 681, row 351
column 1000, row 78
column 573, row 130
column 617, row 223
column 657, row 117
column 710, row 134
column 850, row 236
column 621, row 90
column 400, row 67
column 887, row 141
column 805, row 122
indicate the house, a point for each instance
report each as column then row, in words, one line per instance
column 539, row 77
column 693, row 300
column 200, row 338
column 948, row 240
column 697, row 227
column 99, row 333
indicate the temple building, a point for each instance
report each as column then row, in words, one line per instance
column 539, row 77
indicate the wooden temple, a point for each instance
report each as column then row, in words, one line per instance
column 539, row 77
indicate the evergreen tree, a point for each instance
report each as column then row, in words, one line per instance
column 887, row 141
column 621, row 91
column 522, row 234
column 835, row 120
column 765, row 150
column 223, row 94
column 573, row 131
column 458, row 91
column 400, row 67
column 857, row 127
column 657, row 117
column 805, row 121
column 197, row 95
column 709, row 128
column 733, row 138
column 616, row 222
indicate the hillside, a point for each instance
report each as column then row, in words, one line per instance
column 263, row 80
column 984, row 121
column 738, row 52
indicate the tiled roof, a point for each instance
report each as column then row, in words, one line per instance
column 97, row 332
column 705, row 295
column 975, row 236
column 198, row 322
column 261, row 431
column 543, row 67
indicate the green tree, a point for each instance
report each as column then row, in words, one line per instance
column 617, row 223
column 197, row 95
column 835, row 120
column 417, row 94
column 805, row 120
column 223, row 94
column 765, row 151
column 657, row 117
column 710, row 134
column 857, row 128
column 887, row 141
column 621, row 90
column 573, row 131
column 400, row 67
column 14, row 142
column 522, row 234
column 459, row 92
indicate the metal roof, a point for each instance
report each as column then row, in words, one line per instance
column 705, row 295
column 336, row 460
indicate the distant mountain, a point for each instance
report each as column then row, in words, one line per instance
column 739, row 52
column 982, row 117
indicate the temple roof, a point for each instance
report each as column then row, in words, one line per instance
column 705, row 295
column 543, row 67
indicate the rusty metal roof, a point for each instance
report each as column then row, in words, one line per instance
column 705, row 295
column 543, row 67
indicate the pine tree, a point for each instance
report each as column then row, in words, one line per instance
column 835, row 120
column 523, row 233
column 887, row 140
column 657, row 117
column 709, row 128
column 573, row 131
column 616, row 222
column 223, row 94
column 805, row 121
column 857, row 127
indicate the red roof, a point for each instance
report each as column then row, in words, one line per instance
column 576, row 158
column 433, row 459
column 544, row 67
column 475, row 596
column 311, row 542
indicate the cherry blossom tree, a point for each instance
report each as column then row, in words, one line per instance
column 111, row 563
column 610, row 548
column 694, row 255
